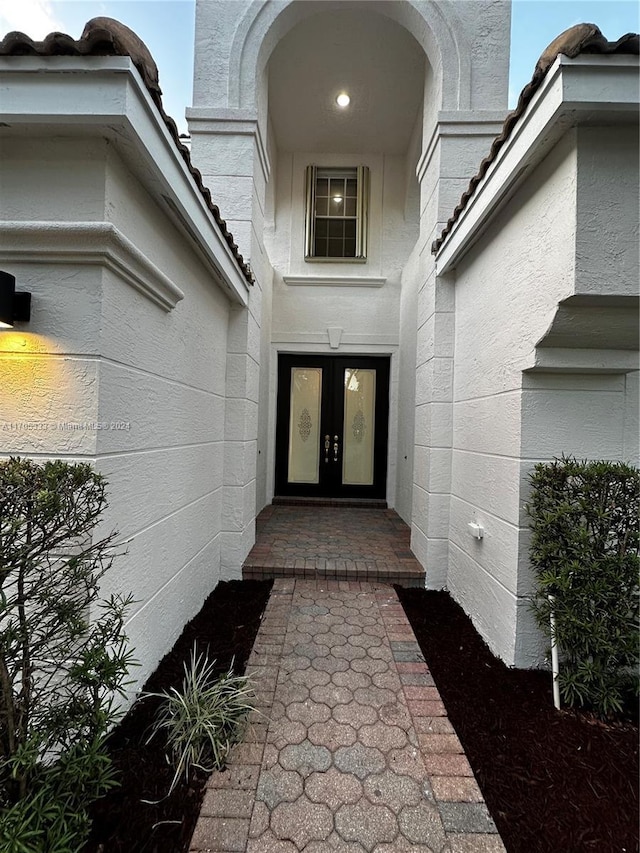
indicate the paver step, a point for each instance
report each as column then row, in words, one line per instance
column 313, row 570
column 360, row 503
column 316, row 541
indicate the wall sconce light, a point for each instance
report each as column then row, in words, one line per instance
column 14, row 307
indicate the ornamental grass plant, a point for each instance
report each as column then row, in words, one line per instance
column 203, row 718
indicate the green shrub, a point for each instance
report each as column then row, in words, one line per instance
column 584, row 550
column 60, row 670
column 203, row 718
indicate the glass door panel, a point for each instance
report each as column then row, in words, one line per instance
column 304, row 425
column 358, row 427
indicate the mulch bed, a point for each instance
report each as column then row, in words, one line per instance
column 553, row 781
column 225, row 629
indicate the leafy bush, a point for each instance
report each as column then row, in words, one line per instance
column 584, row 549
column 203, row 718
column 60, row 670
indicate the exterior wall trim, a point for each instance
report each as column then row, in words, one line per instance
column 571, row 360
column 93, row 243
column 376, row 344
column 333, row 280
column 229, row 122
column 463, row 123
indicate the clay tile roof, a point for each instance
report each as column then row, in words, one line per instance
column 582, row 38
column 108, row 37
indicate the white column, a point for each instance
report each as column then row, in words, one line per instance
column 228, row 149
column 451, row 157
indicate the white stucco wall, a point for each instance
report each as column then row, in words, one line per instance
column 407, row 453
column 451, row 151
column 607, row 199
column 506, row 291
column 41, row 385
column 631, row 427
column 100, row 351
column 537, row 372
column 391, row 238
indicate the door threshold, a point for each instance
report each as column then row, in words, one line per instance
column 361, row 503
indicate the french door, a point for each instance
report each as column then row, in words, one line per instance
column 332, row 426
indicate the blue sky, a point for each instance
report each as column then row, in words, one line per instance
column 167, row 28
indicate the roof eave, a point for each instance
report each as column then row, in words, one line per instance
column 108, row 98
column 573, row 91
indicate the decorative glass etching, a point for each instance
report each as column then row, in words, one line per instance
column 304, row 425
column 359, row 426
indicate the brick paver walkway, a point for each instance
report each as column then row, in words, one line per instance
column 352, row 749
column 333, row 543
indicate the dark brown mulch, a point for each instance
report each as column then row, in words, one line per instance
column 558, row 782
column 225, row 629
column 553, row 781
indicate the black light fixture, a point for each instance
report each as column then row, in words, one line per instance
column 13, row 306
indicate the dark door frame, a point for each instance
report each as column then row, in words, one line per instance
column 333, row 366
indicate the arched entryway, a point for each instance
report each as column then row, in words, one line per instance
column 334, row 302
column 428, row 82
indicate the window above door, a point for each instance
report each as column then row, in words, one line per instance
column 336, row 214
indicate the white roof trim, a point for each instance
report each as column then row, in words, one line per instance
column 571, row 90
column 106, row 96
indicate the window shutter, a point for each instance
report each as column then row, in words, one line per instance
column 310, row 206
column 362, row 224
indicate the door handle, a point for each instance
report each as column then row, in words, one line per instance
column 336, row 447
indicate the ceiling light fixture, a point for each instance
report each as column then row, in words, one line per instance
column 343, row 100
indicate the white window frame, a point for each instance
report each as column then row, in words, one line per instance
column 362, row 213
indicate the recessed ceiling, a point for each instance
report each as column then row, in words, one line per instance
column 375, row 60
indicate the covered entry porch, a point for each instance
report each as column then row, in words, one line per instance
column 351, row 541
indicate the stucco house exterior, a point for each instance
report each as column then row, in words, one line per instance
column 197, row 313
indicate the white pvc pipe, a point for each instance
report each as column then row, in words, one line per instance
column 555, row 666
